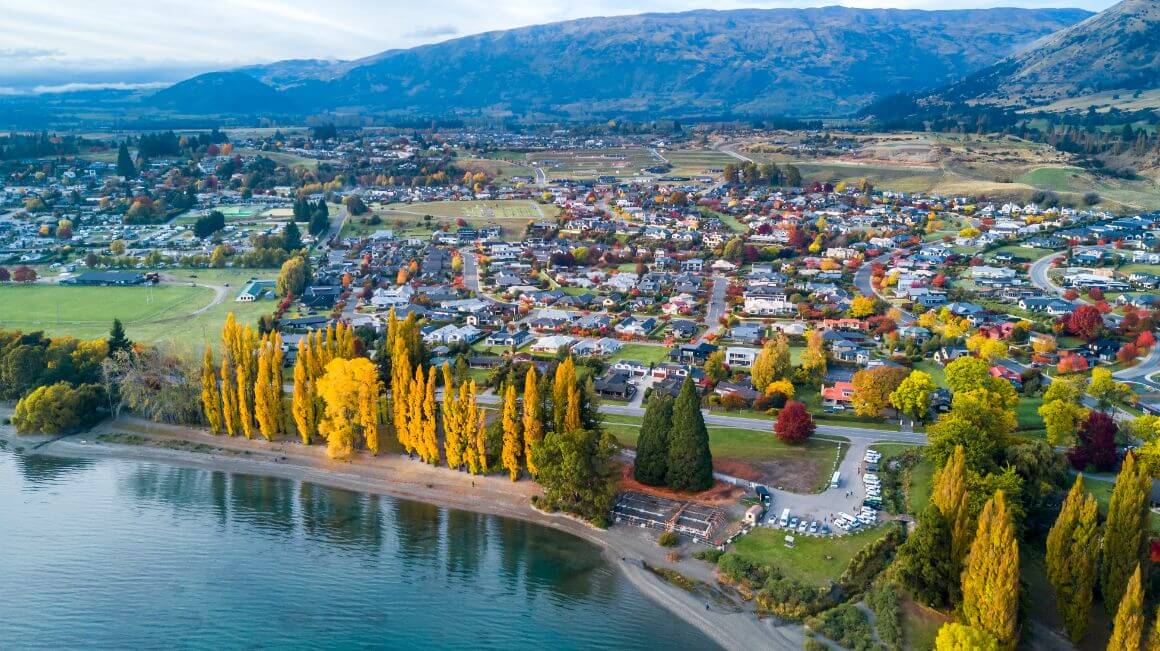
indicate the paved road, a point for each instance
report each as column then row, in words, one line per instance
column 717, row 306
column 1140, row 372
column 864, row 284
column 471, row 273
column 728, row 148
column 1038, row 274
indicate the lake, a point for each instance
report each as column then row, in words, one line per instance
column 123, row 554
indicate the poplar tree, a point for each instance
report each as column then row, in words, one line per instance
column 455, row 429
column 474, row 419
column 245, row 407
column 690, row 463
column 261, row 394
column 211, row 400
column 991, row 576
column 512, row 443
column 414, row 426
column 572, row 420
column 772, row 363
column 429, row 431
column 565, row 377
column 951, row 497
column 1154, row 636
column 229, row 391
column 652, row 447
column 1128, row 630
column 1125, row 540
column 533, row 417
column 1072, row 549
column 302, row 405
column 369, row 390
column 401, row 380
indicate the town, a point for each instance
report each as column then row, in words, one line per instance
column 847, row 347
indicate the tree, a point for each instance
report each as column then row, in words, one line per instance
column 319, row 221
column 293, row 277
column 991, row 576
column 428, row 432
column 512, row 442
column 211, row 400
column 562, row 385
column 291, row 237
column 794, row 424
column 925, row 566
column 303, row 399
column 125, row 165
column 1072, row 550
column 349, row 390
column 814, row 359
column 209, row 224
column 57, row 409
column 1061, row 418
column 229, row 391
column 533, row 417
column 862, row 307
column 967, row 374
column 117, row 339
column 690, row 463
column 1128, row 630
column 912, row 396
column 772, row 363
column 950, row 495
column 1085, row 322
column 24, row 274
column 652, row 447
column 957, row 637
column 577, row 472
column 1107, row 391
column 1125, row 544
column 872, row 388
column 1096, row 443
column 715, row 368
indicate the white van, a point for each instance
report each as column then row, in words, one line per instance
column 784, row 521
column 836, row 480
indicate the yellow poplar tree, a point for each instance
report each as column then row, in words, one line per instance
column 346, row 396
column 533, row 417
column 453, row 426
column 369, row 390
column 951, row 497
column 572, row 415
column 245, row 408
column 512, row 445
column 1072, row 550
column 1128, row 631
column 991, row 576
column 303, row 397
column 401, row 380
column 430, row 432
column 263, row 410
column 471, row 415
column 211, row 400
column 415, row 414
column 565, row 378
column 229, row 390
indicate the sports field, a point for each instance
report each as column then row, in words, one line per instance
column 183, row 315
column 588, row 164
column 425, row 217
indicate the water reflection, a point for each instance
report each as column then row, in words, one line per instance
column 42, row 471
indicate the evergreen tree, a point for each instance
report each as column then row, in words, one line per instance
column 319, row 220
column 1072, row 550
column 951, row 497
column 690, row 463
column 125, row 165
column 291, row 237
column 925, row 565
column 1128, row 630
column 652, row 448
column 533, row 417
column 512, row 442
column 211, row 401
column 1125, row 540
column 991, row 577
column 117, row 339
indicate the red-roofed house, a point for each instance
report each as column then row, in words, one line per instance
column 839, row 395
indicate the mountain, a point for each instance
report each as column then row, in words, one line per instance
column 803, row 62
column 1115, row 50
column 221, row 92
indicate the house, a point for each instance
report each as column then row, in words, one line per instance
column 631, row 367
column 452, row 334
column 740, row 357
column 604, row 347
column 1052, row 306
column 747, row 333
column 840, row 394
column 553, row 344
column 106, row 278
column 636, row 326
column 692, row 353
column 392, row 297
column 320, row 296
column 615, row 385
column 1009, row 374
column 948, row 354
column 255, row 290
column 683, row 328
column 744, row 390
column 766, row 300
column 514, row 340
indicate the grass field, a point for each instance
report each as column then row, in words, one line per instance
column 812, row 560
column 642, row 353
column 1102, row 491
column 412, row 218
column 696, row 162
column 589, row 164
column 918, row 493
column 150, row 314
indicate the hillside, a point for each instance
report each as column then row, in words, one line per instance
column 804, row 62
column 1115, row 51
column 221, row 92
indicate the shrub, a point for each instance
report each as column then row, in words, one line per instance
column 884, row 601
column 58, row 408
column 711, row 555
column 669, row 539
column 846, row 625
column 869, row 562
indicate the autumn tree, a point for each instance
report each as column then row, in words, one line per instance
column 293, row 276
column 950, row 494
column 533, row 418
column 912, row 395
column 211, row 400
column 772, row 363
column 229, row 391
column 1072, row 550
column 957, row 637
column 991, row 576
column 872, row 388
column 349, row 391
column 794, row 424
column 1061, row 418
column 1125, row 543
column 563, row 384
column 1128, row 629
column 512, row 441
column 1085, row 322
column 1107, row 391
column 814, row 358
column 304, row 396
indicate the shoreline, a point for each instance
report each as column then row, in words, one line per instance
column 395, row 475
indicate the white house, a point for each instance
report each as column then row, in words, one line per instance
column 740, row 356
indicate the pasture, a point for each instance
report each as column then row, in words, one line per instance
column 423, row 218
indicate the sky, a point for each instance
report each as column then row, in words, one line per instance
column 80, row 44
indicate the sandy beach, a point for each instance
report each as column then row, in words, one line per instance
column 626, row 548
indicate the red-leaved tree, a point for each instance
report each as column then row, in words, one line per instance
column 1127, row 353
column 1146, row 340
column 1085, row 322
column 794, row 424
column 1096, row 444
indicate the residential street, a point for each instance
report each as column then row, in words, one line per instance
column 862, row 281
column 716, row 307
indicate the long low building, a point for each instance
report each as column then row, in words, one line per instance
column 106, row 278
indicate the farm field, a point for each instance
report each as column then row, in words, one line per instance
column 688, row 162
column 814, row 560
column 501, row 170
column 181, row 315
column 410, row 219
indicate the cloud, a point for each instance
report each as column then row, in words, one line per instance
column 78, row 87
column 437, row 31
column 24, row 53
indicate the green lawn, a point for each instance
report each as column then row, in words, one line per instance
column 811, row 560
column 918, row 493
column 934, row 369
column 642, row 353
column 1027, row 413
column 1102, row 491
column 732, row 443
column 150, row 314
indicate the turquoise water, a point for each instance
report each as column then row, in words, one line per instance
column 123, row 554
